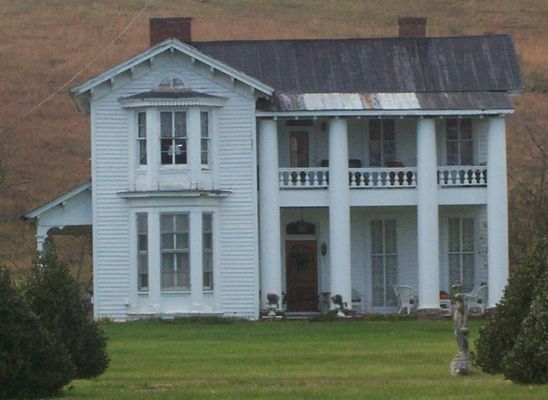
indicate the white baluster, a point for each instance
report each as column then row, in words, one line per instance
column 352, row 179
column 306, row 178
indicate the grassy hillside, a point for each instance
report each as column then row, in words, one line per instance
column 44, row 43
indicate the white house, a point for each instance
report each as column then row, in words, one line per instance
column 225, row 171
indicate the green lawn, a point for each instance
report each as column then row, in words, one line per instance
column 290, row 360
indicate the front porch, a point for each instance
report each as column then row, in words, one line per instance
column 384, row 254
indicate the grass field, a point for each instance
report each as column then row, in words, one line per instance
column 291, row 360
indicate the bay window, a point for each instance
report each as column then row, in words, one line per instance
column 175, row 252
column 173, row 137
column 142, row 137
column 204, row 137
column 207, row 249
column 142, row 252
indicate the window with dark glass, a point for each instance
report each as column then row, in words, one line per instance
column 173, row 137
column 142, row 252
column 207, row 246
column 175, row 252
column 142, row 137
column 382, row 142
column 204, row 137
column 459, row 142
column 384, row 262
column 461, row 252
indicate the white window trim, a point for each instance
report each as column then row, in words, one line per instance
column 175, row 251
column 384, row 254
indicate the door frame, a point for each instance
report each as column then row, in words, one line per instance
column 303, row 238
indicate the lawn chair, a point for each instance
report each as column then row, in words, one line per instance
column 477, row 298
column 407, row 298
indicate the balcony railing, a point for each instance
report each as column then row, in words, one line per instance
column 300, row 178
column 382, row 178
column 450, row 176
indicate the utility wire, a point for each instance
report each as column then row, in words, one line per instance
column 89, row 64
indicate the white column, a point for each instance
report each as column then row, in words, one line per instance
column 269, row 211
column 339, row 211
column 193, row 153
column 497, row 210
column 196, row 274
column 154, row 269
column 41, row 237
column 153, row 147
column 427, row 215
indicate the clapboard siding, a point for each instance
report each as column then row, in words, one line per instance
column 236, row 168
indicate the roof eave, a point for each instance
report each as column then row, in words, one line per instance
column 36, row 212
column 84, row 88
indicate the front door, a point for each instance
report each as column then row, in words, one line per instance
column 301, row 275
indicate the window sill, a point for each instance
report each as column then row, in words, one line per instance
column 176, row 167
column 185, row 291
column 143, row 293
column 207, row 291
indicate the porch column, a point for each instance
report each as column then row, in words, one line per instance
column 41, row 237
column 427, row 215
column 196, row 274
column 269, row 211
column 497, row 210
column 339, row 211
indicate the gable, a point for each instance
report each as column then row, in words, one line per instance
column 82, row 93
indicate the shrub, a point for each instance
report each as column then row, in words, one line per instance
column 527, row 362
column 499, row 335
column 57, row 299
column 32, row 362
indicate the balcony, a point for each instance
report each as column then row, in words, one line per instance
column 382, row 178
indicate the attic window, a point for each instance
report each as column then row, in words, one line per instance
column 171, row 83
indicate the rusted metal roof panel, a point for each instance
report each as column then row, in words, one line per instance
column 389, row 101
column 378, row 65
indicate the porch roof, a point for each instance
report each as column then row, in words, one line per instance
column 449, row 101
column 57, row 201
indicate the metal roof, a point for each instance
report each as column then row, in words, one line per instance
column 377, row 65
column 389, row 101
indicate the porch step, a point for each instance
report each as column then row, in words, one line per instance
column 301, row 315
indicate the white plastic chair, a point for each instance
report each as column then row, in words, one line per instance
column 407, row 298
column 477, row 298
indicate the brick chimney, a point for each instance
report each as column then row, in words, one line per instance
column 165, row 28
column 412, row 26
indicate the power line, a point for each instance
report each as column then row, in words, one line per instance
column 82, row 70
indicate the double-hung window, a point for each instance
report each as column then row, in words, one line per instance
column 142, row 137
column 461, row 252
column 382, row 142
column 459, row 141
column 175, row 252
column 384, row 262
column 142, row 252
column 173, row 137
column 204, row 137
column 207, row 248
